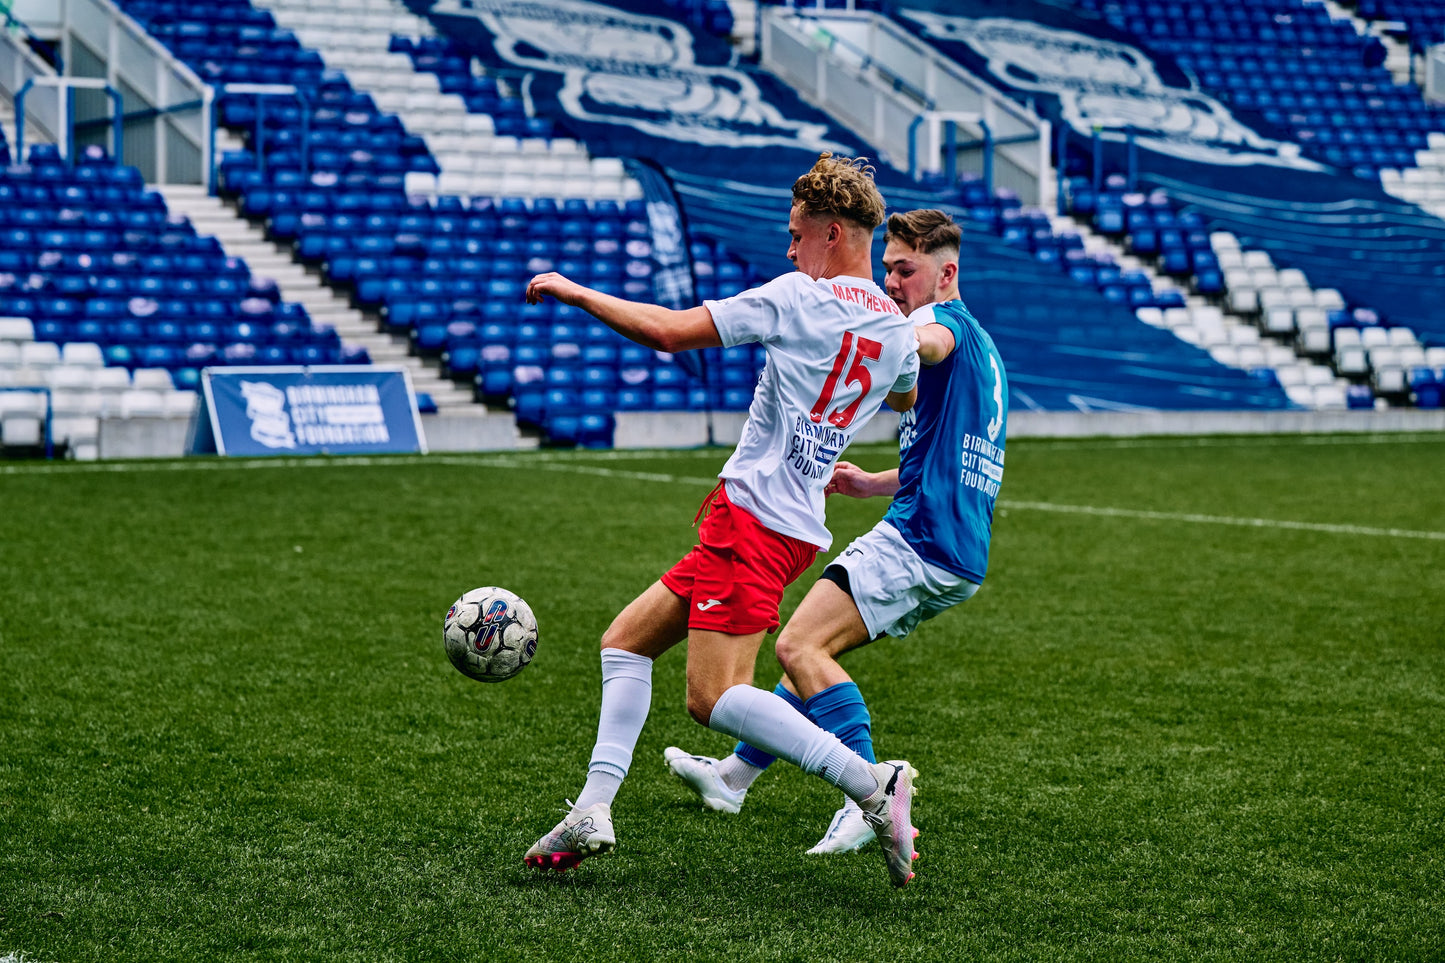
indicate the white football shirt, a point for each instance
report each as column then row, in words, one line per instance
column 835, row 348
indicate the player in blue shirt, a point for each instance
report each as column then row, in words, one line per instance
column 930, row 551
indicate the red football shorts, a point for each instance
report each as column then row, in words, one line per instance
column 733, row 579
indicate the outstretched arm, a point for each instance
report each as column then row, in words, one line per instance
column 935, row 342
column 650, row 325
column 848, row 479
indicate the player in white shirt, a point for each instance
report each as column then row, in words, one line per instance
column 930, row 551
column 837, row 348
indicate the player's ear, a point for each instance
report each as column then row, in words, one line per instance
column 948, row 274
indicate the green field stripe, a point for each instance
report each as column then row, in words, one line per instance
column 556, row 461
column 1221, row 520
column 575, row 469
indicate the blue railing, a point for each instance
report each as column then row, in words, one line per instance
column 70, row 84
column 258, row 133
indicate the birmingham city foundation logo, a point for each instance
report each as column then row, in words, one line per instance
column 638, row 71
column 266, row 409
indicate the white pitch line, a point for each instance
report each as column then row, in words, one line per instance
column 544, row 461
column 1222, row 520
column 710, row 480
column 1233, row 441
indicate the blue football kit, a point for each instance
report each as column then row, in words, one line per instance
column 952, row 449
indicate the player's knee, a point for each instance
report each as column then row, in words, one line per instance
column 793, row 651
column 702, row 695
column 613, row 637
column 622, row 634
column 700, row 705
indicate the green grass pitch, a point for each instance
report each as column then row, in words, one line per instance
column 1197, row 712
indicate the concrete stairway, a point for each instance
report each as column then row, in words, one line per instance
column 33, row 134
column 240, row 238
column 1230, row 338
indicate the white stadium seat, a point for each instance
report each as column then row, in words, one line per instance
column 154, row 379
column 1289, row 375
column 17, row 329
column 64, row 377
column 1351, row 360
column 180, row 402
column 141, row 403
column 73, row 430
column 22, row 430
column 1301, row 394
column 82, row 354
column 1281, row 321
column 112, row 380
column 39, row 354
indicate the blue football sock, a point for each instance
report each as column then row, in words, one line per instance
column 754, row 756
column 840, row 709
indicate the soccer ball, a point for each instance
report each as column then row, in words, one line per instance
column 490, row 634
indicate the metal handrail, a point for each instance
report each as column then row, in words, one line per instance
column 951, row 146
column 70, row 83
column 147, row 113
column 261, row 92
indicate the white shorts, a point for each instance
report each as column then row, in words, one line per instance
column 893, row 588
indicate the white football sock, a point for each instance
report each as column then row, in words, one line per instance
column 766, row 721
column 737, row 773
column 626, row 697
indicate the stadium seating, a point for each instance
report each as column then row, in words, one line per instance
column 106, row 276
column 379, row 179
column 697, row 176
column 1301, row 72
column 1294, row 71
column 1324, row 230
column 1260, row 317
column 1424, row 20
column 59, row 393
column 439, row 258
column 89, row 255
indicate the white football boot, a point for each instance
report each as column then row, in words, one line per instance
column 847, row 833
column 579, row 835
column 699, row 773
column 889, row 810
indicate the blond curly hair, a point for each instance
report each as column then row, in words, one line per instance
column 840, row 187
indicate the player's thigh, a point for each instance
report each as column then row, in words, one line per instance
column 717, row 661
column 651, row 624
column 892, row 588
column 826, row 622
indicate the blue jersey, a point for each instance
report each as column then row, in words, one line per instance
column 951, row 459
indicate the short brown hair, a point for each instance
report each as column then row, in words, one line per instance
column 927, row 231
column 840, row 187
